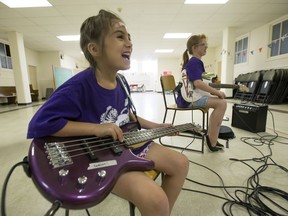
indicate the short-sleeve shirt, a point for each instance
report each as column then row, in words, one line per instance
column 194, row 69
column 80, row 99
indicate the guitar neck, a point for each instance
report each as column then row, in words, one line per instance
column 135, row 137
column 219, row 85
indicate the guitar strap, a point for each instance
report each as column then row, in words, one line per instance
column 132, row 107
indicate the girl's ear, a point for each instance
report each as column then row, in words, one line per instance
column 93, row 49
column 194, row 47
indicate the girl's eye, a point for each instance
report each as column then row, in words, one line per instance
column 120, row 36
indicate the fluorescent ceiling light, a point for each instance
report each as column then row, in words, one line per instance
column 206, row 1
column 176, row 35
column 26, row 3
column 164, row 50
column 69, row 37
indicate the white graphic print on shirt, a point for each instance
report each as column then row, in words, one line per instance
column 111, row 115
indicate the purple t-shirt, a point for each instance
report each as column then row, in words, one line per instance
column 195, row 69
column 80, row 99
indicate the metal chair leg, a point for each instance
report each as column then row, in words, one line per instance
column 67, row 212
column 132, row 209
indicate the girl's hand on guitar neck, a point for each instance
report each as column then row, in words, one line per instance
column 221, row 95
column 109, row 129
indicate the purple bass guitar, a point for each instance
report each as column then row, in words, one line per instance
column 80, row 172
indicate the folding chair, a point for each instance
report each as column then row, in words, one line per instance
column 283, row 98
column 280, row 86
column 168, row 85
column 253, row 85
column 266, row 88
column 242, row 79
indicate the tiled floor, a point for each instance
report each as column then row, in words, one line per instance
column 204, row 195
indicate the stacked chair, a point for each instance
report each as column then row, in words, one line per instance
column 265, row 86
column 242, row 79
column 253, row 82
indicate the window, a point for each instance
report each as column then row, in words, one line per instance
column 279, row 39
column 5, row 56
column 241, row 51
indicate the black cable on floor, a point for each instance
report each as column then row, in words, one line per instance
column 190, row 143
column 4, row 188
column 255, row 197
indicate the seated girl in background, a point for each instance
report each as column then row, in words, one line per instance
column 204, row 95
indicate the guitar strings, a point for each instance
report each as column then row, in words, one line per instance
column 102, row 144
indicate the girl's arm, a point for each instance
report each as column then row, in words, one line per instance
column 204, row 87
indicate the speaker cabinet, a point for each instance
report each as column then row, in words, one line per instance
column 250, row 117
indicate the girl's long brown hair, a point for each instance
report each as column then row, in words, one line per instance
column 192, row 41
column 94, row 29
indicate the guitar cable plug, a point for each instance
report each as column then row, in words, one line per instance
column 26, row 167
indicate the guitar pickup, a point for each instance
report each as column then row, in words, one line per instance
column 89, row 150
column 116, row 149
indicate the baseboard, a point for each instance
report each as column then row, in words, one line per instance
column 24, row 104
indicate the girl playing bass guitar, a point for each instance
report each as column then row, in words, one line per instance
column 94, row 103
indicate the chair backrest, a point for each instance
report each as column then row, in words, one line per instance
column 253, row 85
column 266, row 85
column 168, row 83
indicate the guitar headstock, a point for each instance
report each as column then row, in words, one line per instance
column 243, row 88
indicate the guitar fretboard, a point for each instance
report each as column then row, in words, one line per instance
column 145, row 135
column 219, row 85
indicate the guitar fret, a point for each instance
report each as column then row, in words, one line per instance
column 150, row 134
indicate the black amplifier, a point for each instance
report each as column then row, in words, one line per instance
column 250, row 117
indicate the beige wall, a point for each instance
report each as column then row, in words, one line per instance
column 42, row 62
column 168, row 64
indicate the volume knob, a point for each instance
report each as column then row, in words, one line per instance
column 82, row 180
column 102, row 173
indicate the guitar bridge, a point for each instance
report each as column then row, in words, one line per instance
column 57, row 154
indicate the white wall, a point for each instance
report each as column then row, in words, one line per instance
column 32, row 57
column 43, row 61
column 6, row 77
column 46, row 62
column 260, row 38
column 168, row 64
column 209, row 60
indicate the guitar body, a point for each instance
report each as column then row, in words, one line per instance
column 80, row 172
column 67, row 189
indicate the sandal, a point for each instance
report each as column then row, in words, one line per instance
column 219, row 145
column 211, row 148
